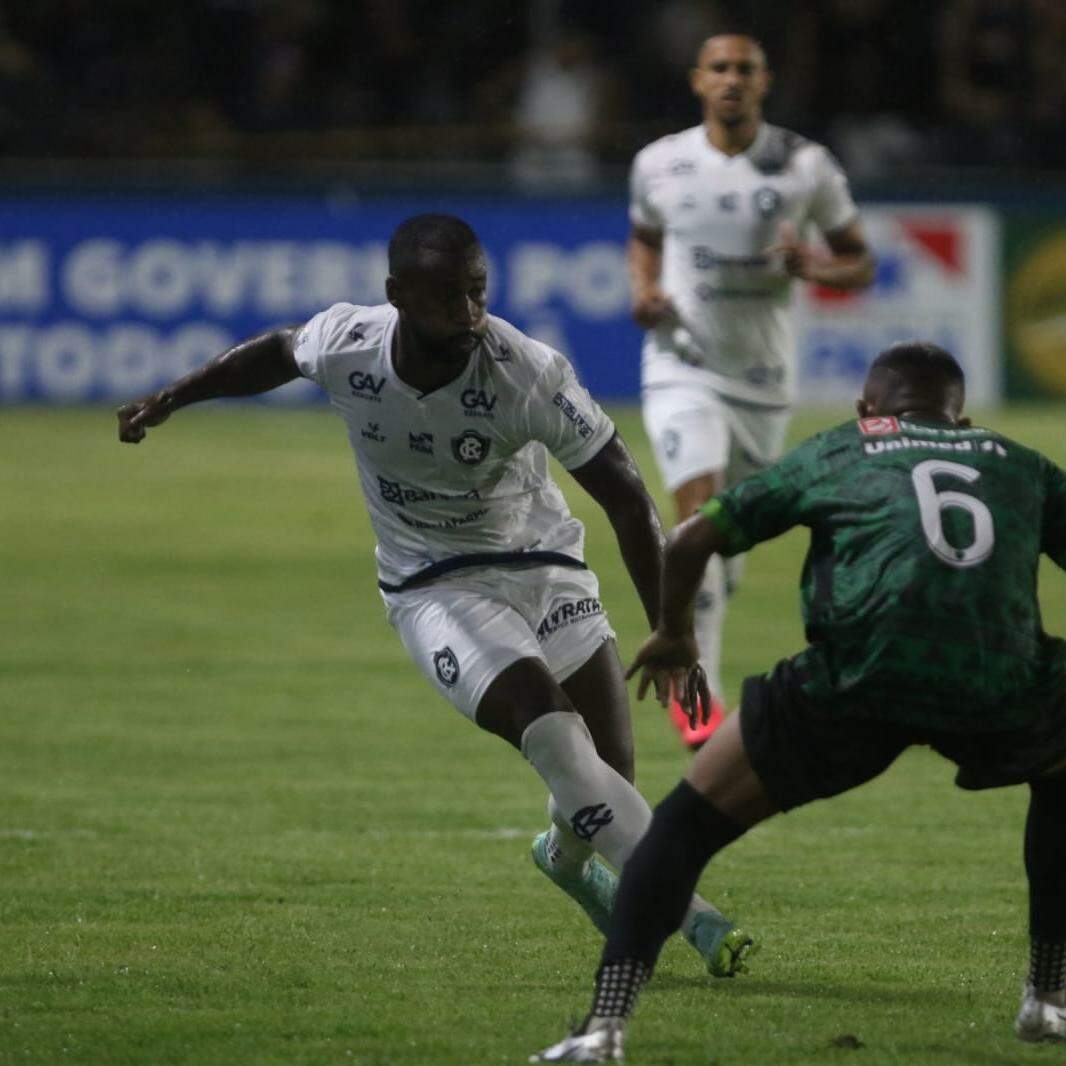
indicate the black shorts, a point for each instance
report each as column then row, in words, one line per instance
column 802, row 752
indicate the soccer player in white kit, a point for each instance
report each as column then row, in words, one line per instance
column 716, row 214
column 451, row 413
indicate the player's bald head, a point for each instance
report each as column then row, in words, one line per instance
column 914, row 377
column 430, row 238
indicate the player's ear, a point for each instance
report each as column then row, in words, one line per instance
column 393, row 292
column 694, row 81
column 862, row 407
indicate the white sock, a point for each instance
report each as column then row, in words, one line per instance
column 598, row 806
column 707, row 621
column 565, row 851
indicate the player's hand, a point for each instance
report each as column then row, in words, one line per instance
column 796, row 257
column 135, row 419
column 671, row 665
column 652, row 307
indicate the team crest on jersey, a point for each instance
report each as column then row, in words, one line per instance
column 470, row 447
column 767, row 201
column 879, row 426
column 447, row 666
column 354, row 333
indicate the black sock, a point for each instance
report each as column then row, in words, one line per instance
column 1045, row 865
column 661, row 874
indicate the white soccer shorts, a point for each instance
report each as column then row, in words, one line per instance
column 463, row 630
column 694, row 430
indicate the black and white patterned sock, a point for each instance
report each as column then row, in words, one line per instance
column 617, row 986
column 1047, row 966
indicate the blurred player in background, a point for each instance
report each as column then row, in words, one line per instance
column 717, row 212
column 920, row 602
column 451, row 413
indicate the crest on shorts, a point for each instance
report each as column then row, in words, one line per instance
column 470, row 447
column 588, row 821
column 879, row 426
column 671, row 442
column 446, row 666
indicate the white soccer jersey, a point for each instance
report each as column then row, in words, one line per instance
column 458, row 476
column 718, row 214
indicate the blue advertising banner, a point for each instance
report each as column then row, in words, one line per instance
column 108, row 297
column 105, row 298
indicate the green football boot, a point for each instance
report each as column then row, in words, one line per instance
column 594, row 891
column 722, row 946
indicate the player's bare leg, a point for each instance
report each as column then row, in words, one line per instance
column 594, row 806
column 709, row 614
column 720, row 799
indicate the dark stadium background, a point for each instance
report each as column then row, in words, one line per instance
column 118, row 119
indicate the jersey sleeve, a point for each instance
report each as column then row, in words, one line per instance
column 1053, row 533
column 832, row 205
column 320, row 338
column 563, row 416
column 765, row 504
column 642, row 212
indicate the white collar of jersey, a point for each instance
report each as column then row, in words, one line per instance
column 722, row 157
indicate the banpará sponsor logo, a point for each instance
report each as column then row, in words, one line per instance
column 366, row 386
column 420, row 442
column 568, row 613
column 395, row 492
column 569, row 409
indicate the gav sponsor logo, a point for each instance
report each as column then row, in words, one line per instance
column 420, row 442
column 395, row 492
column 373, row 432
column 569, row 409
column 366, row 386
column 588, row 821
column 568, row 613
column 446, row 666
column 470, row 447
column 478, row 403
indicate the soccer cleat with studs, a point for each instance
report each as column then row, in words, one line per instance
column 1038, row 1021
column 594, row 890
column 598, row 1040
column 724, row 948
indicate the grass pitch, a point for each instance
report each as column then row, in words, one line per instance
column 237, row 826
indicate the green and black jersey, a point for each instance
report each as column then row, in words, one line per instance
column 919, row 589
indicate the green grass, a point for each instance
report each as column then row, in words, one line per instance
column 237, row 826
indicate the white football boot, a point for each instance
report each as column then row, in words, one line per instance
column 1038, row 1020
column 598, row 1040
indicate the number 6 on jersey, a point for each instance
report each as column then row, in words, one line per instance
column 931, row 504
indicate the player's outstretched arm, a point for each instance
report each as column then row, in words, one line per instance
column 668, row 655
column 614, row 482
column 259, row 364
